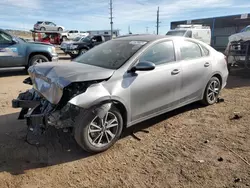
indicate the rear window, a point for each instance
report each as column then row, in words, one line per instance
column 176, row 33
column 190, row 50
column 205, row 50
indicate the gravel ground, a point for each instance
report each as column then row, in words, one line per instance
column 194, row 146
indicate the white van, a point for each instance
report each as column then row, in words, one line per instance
column 199, row 32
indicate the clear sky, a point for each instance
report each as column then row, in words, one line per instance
column 94, row 14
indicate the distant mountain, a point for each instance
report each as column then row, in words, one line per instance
column 20, row 33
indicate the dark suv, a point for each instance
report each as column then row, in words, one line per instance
column 77, row 48
column 15, row 52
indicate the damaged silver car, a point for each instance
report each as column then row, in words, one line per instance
column 118, row 84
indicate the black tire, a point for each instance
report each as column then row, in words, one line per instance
column 81, row 133
column 43, row 29
column 33, row 60
column 73, row 56
column 206, row 99
column 82, row 51
column 64, row 38
column 60, row 29
column 229, row 67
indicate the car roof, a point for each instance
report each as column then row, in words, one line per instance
column 143, row 37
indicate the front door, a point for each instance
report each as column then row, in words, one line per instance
column 196, row 70
column 154, row 91
column 11, row 53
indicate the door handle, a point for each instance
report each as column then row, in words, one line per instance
column 206, row 64
column 175, row 71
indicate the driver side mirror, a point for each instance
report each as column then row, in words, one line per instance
column 93, row 40
column 143, row 66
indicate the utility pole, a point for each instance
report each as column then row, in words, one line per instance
column 157, row 22
column 111, row 17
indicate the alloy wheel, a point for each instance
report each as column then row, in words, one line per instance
column 102, row 131
column 213, row 91
column 38, row 61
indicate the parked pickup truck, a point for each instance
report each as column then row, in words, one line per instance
column 77, row 48
column 71, row 34
column 15, row 52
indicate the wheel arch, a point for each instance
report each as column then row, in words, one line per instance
column 46, row 54
column 218, row 75
column 215, row 74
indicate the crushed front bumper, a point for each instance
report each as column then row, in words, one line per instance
column 31, row 111
column 17, row 103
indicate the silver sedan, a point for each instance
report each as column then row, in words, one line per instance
column 120, row 83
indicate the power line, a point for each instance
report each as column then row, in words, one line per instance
column 111, row 17
column 157, row 22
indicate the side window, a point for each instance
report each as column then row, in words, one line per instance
column 106, row 32
column 75, row 31
column 160, row 53
column 98, row 39
column 47, row 23
column 70, row 31
column 190, row 50
column 5, row 39
column 205, row 51
column 247, row 29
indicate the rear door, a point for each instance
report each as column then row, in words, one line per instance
column 196, row 67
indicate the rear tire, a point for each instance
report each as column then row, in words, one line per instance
column 212, row 91
column 108, row 136
column 60, row 29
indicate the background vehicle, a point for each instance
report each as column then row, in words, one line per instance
column 47, row 26
column 66, row 44
column 199, row 32
column 238, row 49
column 15, row 52
column 77, row 48
column 71, row 34
column 121, row 83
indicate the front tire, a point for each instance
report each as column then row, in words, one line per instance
column 60, row 29
column 82, row 51
column 96, row 135
column 42, row 29
column 37, row 59
column 212, row 91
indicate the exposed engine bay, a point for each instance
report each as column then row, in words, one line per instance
column 40, row 113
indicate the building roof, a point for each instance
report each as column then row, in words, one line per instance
column 102, row 30
column 222, row 21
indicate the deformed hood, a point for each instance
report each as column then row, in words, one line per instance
column 50, row 78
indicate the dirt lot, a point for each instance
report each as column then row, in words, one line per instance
column 190, row 147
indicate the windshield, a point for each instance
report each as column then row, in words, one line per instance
column 111, row 54
column 86, row 39
column 77, row 39
column 176, row 32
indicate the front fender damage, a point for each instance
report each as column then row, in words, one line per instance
column 61, row 115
